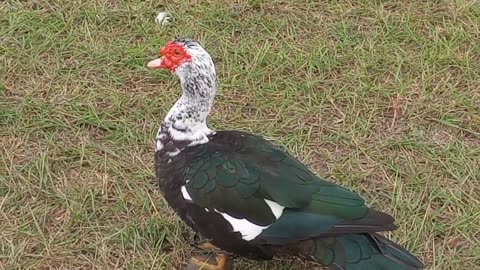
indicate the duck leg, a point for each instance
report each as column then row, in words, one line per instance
column 219, row 262
column 207, row 246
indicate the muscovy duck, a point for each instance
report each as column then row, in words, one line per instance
column 249, row 197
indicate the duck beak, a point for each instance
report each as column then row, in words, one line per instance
column 157, row 64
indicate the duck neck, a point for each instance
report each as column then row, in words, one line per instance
column 187, row 120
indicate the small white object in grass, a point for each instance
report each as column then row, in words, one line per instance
column 163, row 18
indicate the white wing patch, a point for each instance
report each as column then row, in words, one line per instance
column 248, row 229
column 185, row 194
column 276, row 208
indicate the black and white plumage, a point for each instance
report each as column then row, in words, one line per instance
column 251, row 198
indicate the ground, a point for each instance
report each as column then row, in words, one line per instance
column 382, row 96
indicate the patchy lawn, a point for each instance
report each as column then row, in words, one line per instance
column 383, row 96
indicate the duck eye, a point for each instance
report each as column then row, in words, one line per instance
column 177, row 52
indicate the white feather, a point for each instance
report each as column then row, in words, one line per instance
column 163, row 18
column 174, row 153
column 198, row 133
column 248, row 229
column 185, row 194
column 160, row 135
column 276, row 208
column 159, row 145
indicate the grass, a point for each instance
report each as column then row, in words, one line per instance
column 382, row 96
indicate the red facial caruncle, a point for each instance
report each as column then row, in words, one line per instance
column 173, row 55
